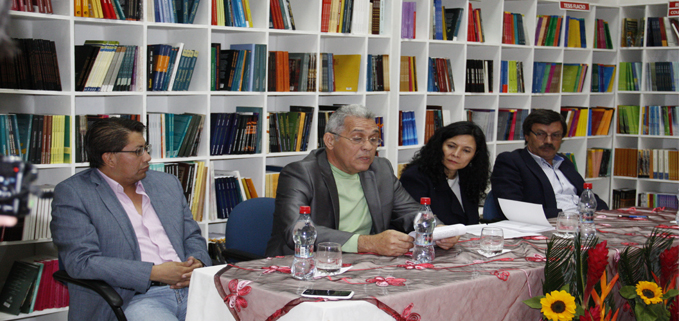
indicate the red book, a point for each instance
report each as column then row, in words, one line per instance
column 325, row 15
column 574, row 126
column 48, row 6
column 15, row 5
column 512, row 128
column 470, row 24
column 214, row 13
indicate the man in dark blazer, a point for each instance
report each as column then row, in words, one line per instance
column 536, row 173
column 351, row 139
column 123, row 224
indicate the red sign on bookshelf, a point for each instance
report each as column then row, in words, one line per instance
column 570, row 5
column 673, row 9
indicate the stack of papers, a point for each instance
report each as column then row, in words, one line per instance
column 524, row 219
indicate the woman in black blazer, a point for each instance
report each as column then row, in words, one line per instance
column 452, row 169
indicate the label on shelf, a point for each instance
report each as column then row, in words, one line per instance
column 673, row 8
column 570, row 5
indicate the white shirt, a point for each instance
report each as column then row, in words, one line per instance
column 565, row 193
column 455, row 186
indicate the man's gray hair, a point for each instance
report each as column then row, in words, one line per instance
column 336, row 122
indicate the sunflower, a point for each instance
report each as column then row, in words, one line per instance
column 649, row 292
column 558, row 306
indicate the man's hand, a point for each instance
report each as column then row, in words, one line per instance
column 176, row 274
column 448, row 243
column 388, row 243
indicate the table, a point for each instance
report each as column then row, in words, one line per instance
column 461, row 284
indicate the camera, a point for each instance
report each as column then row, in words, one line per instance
column 16, row 182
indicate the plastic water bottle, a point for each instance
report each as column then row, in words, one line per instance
column 424, row 223
column 587, row 207
column 304, row 235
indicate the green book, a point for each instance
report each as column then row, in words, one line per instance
column 20, row 280
column 181, row 126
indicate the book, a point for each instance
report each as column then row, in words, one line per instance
column 20, row 280
column 345, row 72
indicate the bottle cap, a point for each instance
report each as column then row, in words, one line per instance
column 304, row 210
column 425, row 201
column 588, row 185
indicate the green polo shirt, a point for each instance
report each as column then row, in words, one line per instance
column 354, row 214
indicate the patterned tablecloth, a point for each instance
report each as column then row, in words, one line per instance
column 460, row 284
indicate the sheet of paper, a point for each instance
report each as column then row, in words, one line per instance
column 447, row 231
column 508, row 233
column 523, row 212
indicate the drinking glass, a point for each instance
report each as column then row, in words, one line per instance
column 567, row 224
column 492, row 240
column 328, row 257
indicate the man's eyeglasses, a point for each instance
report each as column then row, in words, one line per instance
column 360, row 140
column 139, row 151
column 543, row 135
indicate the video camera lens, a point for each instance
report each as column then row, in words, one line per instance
column 16, row 178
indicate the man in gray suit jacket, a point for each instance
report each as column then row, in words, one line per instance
column 123, row 224
column 355, row 198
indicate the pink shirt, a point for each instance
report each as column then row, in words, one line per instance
column 153, row 242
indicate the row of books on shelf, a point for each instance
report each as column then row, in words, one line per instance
column 39, row 139
column 660, row 120
column 170, row 67
column 511, row 77
column 446, row 23
column 583, row 121
column 598, row 162
column 432, row 122
column 339, row 72
column 407, row 128
column 653, row 200
column 289, row 131
column 236, row 133
column 378, row 73
column 548, row 30
column 510, row 123
column 408, row 20
column 30, row 286
column 174, row 135
column 475, row 25
column 324, row 112
column 228, row 192
column 192, row 176
column 628, row 119
column 231, row 13
column 660, row 164
column 280, row 15
column 347, row 16
column 106, row 66
column 546, row 77
column 35, row 66
column 575, row 33
column 662, row 31
column 35, row 225
column 271, row 180
column 513, row 29
column 483, row 118
column 479, row 76
column 291, row 71
column 663, row 76
column 440, row 73
column 602, row 78
column 240, row 68
column 630, row 73
column 408, row 74
column 573, row 77
column 40, row 6
column 602, row 35
column 624, row 198
column 109, row 9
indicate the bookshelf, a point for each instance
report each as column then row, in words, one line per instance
column 68, row 31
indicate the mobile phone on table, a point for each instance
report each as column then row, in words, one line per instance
column 328, row 294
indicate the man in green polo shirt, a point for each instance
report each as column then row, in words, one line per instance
column 355, row 198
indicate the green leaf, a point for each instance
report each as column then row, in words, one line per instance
column 534, row 302
column 628, row 292
column 670, row 294
column 643, row 312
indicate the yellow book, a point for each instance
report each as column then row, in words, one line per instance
column 610, row 83
column 248, row 12
column 403, row 85
column 77, row 8
column 99, row 11
column 413, row 72
column 274, row 184
column 582, row 123
column 197, row 190
column 247, row 191
column 221, row 19
column 85, row 8
column 251, row 187
column 443, row 23
column 300, row 131
column 201, row 194
column 340, row 23
column 385, row 64
column 511, row 76
column 574, row 33
column 332, row 23
column 346, row 69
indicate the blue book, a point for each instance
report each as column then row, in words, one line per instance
column 239, row 14
column 251, row 61
column 438, row 20
column 192, row 65
column 583, row 37
column 181, row 126
column 538, row 71
column 25, row 125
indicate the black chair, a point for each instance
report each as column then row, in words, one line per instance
column 102, row 288
column 248, row 230
column 491, row 213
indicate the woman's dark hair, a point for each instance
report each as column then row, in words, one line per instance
column 109, row 135
column 544, row 117
column 474, row 177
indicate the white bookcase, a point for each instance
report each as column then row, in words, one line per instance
column 68, row 31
